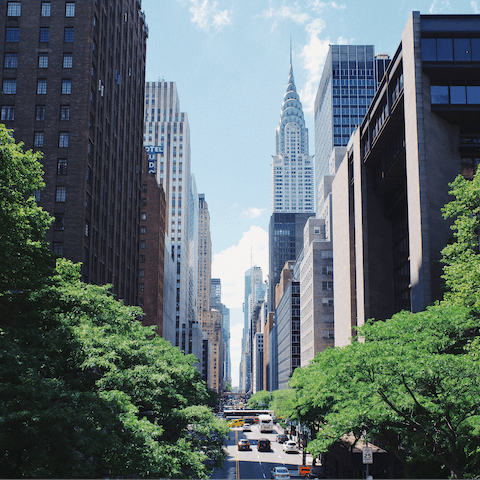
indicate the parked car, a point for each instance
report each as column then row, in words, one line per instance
column 290, row 447
column 247, row 427
column 279, row 472
column 282, row 438
column 243, row 444
column 250, row 420
column 263, row 445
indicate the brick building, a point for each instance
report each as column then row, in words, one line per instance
column 152, row 253
column 72, row 78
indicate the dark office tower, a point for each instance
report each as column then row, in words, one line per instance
column 72, row 77
column 348, row 84
column 285, row 243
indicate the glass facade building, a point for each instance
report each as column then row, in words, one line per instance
column 348, row 84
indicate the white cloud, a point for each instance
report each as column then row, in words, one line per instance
column 231, row 264
column 318, row 6
column 439, row 6
column 287, row 13
column 253, row 212
column 475, row 7
column 206, row 14
column 313, row 58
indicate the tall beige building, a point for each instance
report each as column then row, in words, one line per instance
column 210, row 319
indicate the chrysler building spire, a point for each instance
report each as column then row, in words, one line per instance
column 292, row 167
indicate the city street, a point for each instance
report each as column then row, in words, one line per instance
column 252, row 463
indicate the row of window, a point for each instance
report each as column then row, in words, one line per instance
column 450, row 49
column 8, row 112
column 10, row 86
column 11, row 60
column 455, row 94
column 13, row 34
column 14, row 9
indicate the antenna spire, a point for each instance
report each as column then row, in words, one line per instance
column 290, row 49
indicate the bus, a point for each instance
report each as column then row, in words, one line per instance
column 265, row 423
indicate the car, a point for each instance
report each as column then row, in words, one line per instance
column 263, row 444
column 282, row 438
column 237, row 422
column 279, row 472
column 290, row 447
column 247, row 428
column 243, row 444
column 250, row 420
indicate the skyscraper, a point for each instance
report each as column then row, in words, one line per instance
column 167, row 128
column 210, row 319
column 292, row 166
column 349, row 81
column 73, row 89
column 253, row 277
column 285, row 239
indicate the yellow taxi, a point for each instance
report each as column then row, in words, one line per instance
column 237, row 422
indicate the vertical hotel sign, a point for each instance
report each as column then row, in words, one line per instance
column 152, row 157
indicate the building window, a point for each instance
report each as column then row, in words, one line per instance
column 39, row 139
column 8, row 113
column 43, row 60
column 62, row 166
column 58, row 248
column 88, row 201
column 40, row 113
column 66, row 86
column 41, row 86
column 142, row 272
column 45, row 9
column 68, row 34
column 13, row 34
column 143, row 216
column 61, row 194
column 142, row 258
column 59, row 222
column 327, row 286
column 67, row 60
column 143, row 229
column 65, row 112
column 142, row 244
column 14, row 9
column 63, row 140
column 9, row 86
column 11, row 60
column 44, row 34
column 87, row 228
column 141, row 287
column 70, row 9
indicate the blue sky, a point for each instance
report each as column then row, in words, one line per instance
column 230, row 61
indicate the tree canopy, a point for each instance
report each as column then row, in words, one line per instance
column 22, row 222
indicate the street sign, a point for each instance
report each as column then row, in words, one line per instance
column 367, row 455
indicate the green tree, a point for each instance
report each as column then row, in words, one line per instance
column 87, row 391
column 260, row 399
column 414, row 382
column 461, row 257
column 25, row 262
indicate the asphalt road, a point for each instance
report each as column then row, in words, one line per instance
column 253, row 464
